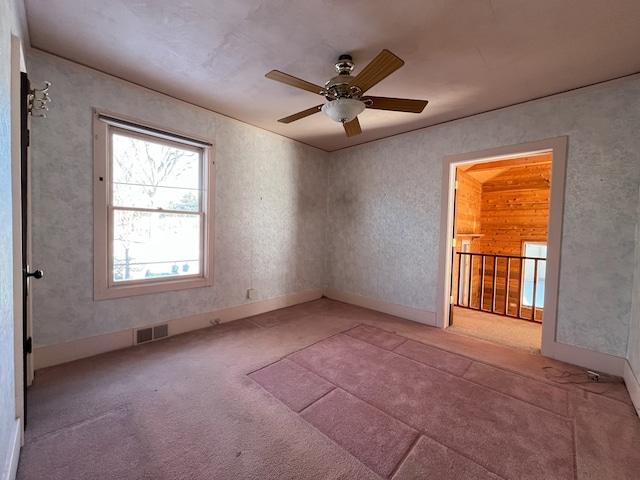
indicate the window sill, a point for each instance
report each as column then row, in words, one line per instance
column 133, row 289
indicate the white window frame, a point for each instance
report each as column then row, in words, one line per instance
column 524, row 251
column 104, row 286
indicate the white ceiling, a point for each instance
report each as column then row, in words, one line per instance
column 465, row 57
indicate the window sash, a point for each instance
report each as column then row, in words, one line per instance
column 105, row 287
column 143, row 281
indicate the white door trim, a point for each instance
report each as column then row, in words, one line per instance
column 558, row 147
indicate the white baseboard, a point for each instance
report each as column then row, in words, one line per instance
column 86, row 347
column 11, row 468
column 196, row 322
column 402, row 311
column 633, row 385
column 597, row 361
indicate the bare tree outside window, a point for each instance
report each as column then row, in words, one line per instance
column 153, row 208
column 156, row 200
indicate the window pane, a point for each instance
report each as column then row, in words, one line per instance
column 535, row 250
column 144, row 162
column 168, row 198
column 155, row 245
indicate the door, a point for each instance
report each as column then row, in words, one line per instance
column 28, row 275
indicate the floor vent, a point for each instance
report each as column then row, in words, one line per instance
column 148, row 334
column 160, row 331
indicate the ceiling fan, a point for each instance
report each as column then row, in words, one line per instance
column 344, row 93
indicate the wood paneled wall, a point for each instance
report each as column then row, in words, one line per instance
column 468, row 204
column 468, row 220
column 515, row 208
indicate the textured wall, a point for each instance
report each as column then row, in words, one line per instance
column 270, row 208
column 384, row 204
column 7, row 381
column 383, row 208
column 633, row 353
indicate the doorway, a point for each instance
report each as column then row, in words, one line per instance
column 499, row 263
column 451, row 247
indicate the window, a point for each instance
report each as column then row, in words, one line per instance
column 153, row 209
column 533, row 274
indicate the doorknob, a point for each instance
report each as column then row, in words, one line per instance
column 36, row 273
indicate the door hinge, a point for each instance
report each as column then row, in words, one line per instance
column 28, row 345
column 456, row 187
column 450, row 299
column 453, row 242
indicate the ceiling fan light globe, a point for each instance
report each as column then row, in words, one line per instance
column 343, row 110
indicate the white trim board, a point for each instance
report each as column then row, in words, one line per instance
column 633, row 385
column 86, row 347
column 600, row 362
column 558, row 148
column 402, row 311
column 11, row 468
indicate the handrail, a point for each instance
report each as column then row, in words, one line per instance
column 493, row 278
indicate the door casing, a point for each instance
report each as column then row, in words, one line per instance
column 558, row 147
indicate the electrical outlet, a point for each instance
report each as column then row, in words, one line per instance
column 251, row 293
column 593, row 376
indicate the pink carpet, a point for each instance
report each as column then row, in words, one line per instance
column 401, row 406
column 337, row 392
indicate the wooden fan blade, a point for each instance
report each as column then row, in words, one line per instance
column 302, row 114
column 378, row 69
column 395, row 104
column 294, row 81
column 352, row 128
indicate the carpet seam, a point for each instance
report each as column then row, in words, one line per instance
column 486, row 467
column 562, row 387
column 456, row 376
column 299, row 412
column 321, row 340
column 354, row 395
column 420, row 432
column 398, row 346
column 125, row 406
column 467, row 369
column 535, row 352
column 298, row 317
column 405, row 339
column 298, row 350
column 256, row 324
column 406, row 454
column 265, row 366
column 485, row 362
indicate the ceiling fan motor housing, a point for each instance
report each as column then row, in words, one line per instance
column 337, row 86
